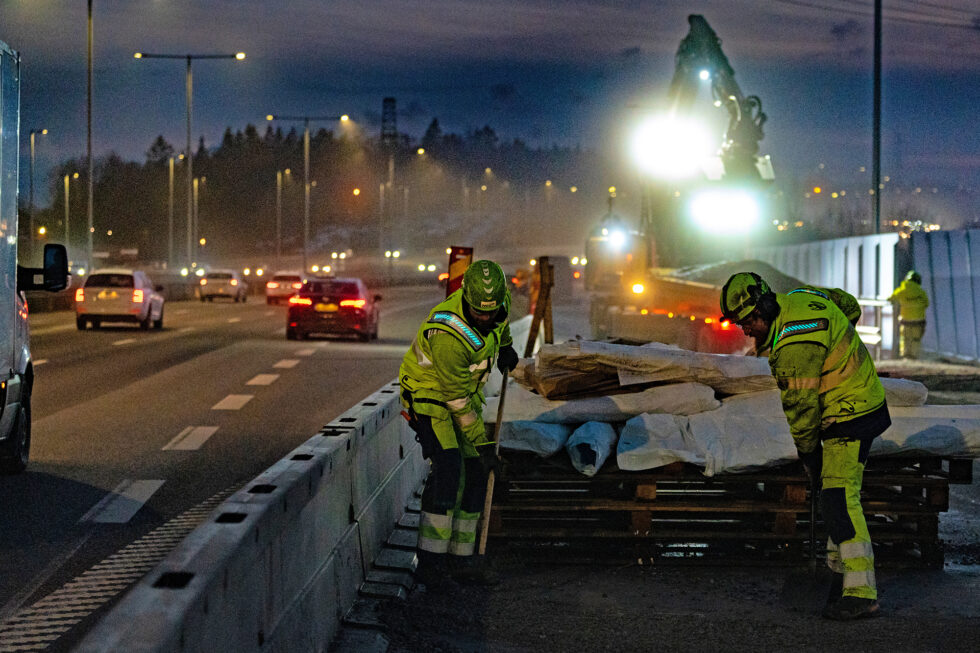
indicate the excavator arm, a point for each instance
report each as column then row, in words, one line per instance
column 701, row 50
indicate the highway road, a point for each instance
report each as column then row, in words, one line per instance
column 137, row 434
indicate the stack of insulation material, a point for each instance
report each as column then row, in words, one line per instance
column 658, row 404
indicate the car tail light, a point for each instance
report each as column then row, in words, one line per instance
column 298, row 285
column 443, row 276
column 272, row 285
column 137, row 296
column 79, row 295
column 234, row 282
column 300, row 301
column 353, row 303
column 204, row 282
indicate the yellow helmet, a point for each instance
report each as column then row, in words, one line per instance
column 741, row 294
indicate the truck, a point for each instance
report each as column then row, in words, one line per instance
column 16, row 364
column 631, row 278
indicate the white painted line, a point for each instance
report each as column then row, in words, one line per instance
column 304, row 352
column 186, row 330
column 191, row 438
column 124, row 341
column 234, row 319
column 263, row 379
column 51, row 329
column 40, row 361
column 232, row 402
column 182, row 311
column 121, row 504
column 287, row 363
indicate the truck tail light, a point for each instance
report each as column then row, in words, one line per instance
column 297, row 285
column 353, row 303
column 272, row 285
column 204, row 282
column 80, row 295
column 234, row 282
column 300, row 301
column 137, row 296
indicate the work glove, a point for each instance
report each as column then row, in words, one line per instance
column 813, row 462
column 489, row 460
column 507, row 359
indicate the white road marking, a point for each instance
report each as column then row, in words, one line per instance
column 234, row 319
column 304, row 352
column 191, row 438
column 263, row 379
column 40, row 361
column 121, row 504
column 287, row 363
column 185, row 330
column 51, row 329
column 232, row 402
column 124, row 341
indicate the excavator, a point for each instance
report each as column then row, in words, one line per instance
column 631, row 281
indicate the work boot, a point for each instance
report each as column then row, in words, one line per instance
column 472, row 570
column 836, row 590
column 849, row 608
column 433, row 572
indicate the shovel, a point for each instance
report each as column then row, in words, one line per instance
column 488, row 501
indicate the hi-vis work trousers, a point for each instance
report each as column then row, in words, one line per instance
column 849, row 549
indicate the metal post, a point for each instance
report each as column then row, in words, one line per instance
column 67, row 204
column 91, row 165
column 381, row 219
column 306, row 191
column 30, row 201
column 194, row 218
column 170, row 215
column 190, row 165
column 876, row 137
column 278, row 219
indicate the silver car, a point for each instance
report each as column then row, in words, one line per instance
column 118, row 295
column 282, row 286
column 222, row 283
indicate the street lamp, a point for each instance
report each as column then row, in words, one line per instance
column 306, row 169
column 279, row 175
column 67, row 179
column 190, row 102
column 30, row 204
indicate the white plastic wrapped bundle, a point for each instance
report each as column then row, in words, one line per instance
column 590, row 446
column 904, row 392
column 650, row 441
column 537, row 437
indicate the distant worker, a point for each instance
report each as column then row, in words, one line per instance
column 442, row 377
column 835, row 407
column 912, row 304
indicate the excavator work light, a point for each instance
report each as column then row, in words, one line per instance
column 725, row 211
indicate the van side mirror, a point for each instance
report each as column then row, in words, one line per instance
column 55, row 267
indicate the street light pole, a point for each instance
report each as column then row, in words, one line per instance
column 190, row 157
column 170, row 215
column 306, row 171
column 30, row 202
column 67, row 232
column 91, row 165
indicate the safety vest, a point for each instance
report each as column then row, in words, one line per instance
column 448, row 364
column 912, row 301
column 824, row 372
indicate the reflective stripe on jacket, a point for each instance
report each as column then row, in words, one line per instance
column 448, row 364
column 844, row 300
column 912, row 301
column 823, row 370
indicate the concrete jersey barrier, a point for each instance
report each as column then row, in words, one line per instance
column 278, row 564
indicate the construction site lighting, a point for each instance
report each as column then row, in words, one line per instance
column 671, row 147
column 617, row 239
column 725, row 211
column 704, row 75
column 638, row 289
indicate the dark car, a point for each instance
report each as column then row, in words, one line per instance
column 333, row 306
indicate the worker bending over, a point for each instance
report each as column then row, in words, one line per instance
column 835, row 407
column 442, row 377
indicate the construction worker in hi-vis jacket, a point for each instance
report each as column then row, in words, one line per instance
column 442, row 377
column 835, row 406
column 912, row 303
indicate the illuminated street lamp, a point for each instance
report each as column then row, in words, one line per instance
column 306, row 168
column 30, row 205
column 279, row 176
column 190, row 102
column 67, row 204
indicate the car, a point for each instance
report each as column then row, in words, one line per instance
column 282, row 286
column 118, row 295
column 340, row 306
column 222, row 283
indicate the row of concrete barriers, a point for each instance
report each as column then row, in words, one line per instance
column 278, row 564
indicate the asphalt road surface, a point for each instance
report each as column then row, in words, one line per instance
column 137, row 434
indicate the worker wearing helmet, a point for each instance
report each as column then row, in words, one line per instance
column 442, row 376
column 912, row 304
column 835, row 407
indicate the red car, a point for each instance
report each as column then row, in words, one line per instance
column 340, row 306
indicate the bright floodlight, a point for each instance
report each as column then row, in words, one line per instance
column 728, row 211
column 671, row 148
column 617, row 239
column 704, row 75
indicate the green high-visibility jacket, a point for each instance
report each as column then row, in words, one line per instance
column 844, row 300
column 446, row 367
column 824, row 372
column 912, row 301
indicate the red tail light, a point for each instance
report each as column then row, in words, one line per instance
column 137, row 296
column 353, row 303
column 79, row 295
column 443, row 276
column 234, row 282
column 300, row 301
column 297, row 285
column 272, row 285
column 576, row 274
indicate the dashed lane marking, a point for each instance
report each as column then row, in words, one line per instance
column 186, row 330
column 287, row 363
column 304, row 352
column 232, row 402
column 191, row 438
column 37, row 627
column 119, row 506
column 51, row 329
column 234, row 319
column 263, row 379
column 40, row 361
column 124, row 341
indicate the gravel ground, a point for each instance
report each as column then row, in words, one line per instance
column 635, row 607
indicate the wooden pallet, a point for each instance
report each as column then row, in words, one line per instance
column 675, row 508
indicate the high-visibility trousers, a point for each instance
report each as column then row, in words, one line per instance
column 452, row 500
column 910, row 338
column 849, row 549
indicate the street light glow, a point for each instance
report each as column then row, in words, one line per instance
column 239, row 55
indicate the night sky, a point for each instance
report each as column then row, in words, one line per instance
column 566, row 73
